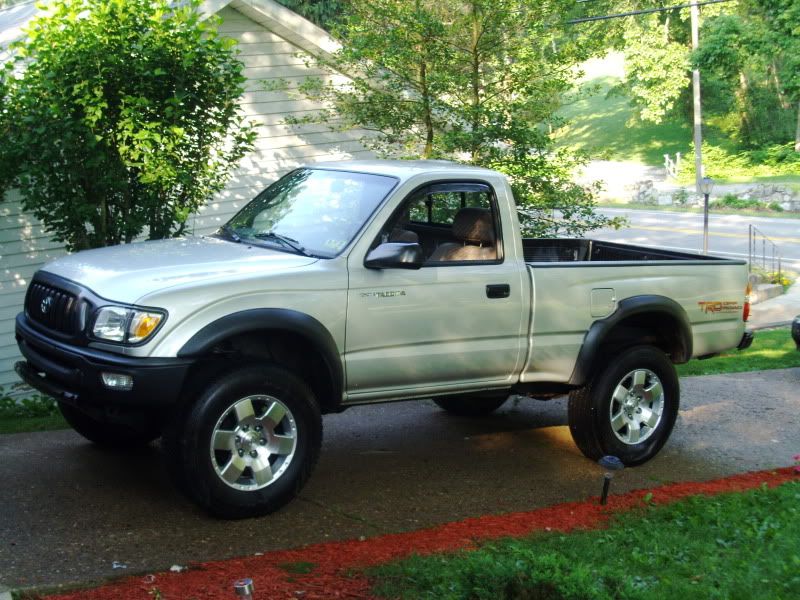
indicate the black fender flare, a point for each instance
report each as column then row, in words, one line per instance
column 635, row 305
column 278, row 319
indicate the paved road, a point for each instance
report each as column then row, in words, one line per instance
column 684, row 231
column 69, row 510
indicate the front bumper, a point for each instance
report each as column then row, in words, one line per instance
column 73, row 374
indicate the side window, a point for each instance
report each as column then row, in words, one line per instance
column 418, row 210
column 452, row 223
column 441, row 208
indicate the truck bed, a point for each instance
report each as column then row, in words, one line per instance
column 583, row 250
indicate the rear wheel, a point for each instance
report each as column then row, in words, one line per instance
column 471, row 406
column 249, row 442
column 629, row 407
column 109, row 435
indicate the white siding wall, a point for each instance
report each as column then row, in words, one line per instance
column 24, row 246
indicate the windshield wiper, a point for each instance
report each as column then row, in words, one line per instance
column 285, row 240
column 229, row 231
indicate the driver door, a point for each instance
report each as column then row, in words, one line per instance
column 448, row 323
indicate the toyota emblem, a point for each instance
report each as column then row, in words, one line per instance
column 46, row 304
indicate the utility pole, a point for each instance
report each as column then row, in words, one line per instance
column 698, row 118
column 698, row 126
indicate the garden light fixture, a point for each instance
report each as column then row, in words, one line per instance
column 611, row 464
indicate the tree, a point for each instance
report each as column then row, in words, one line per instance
column 324, row 13
column 749, row 58
column 474, row 80
column 657, row 64
column 781, row 18
column 120, row 116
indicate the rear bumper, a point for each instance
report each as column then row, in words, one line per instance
column 747, row 339
column 73, row 374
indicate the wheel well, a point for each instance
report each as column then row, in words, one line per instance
column 285, row 348
column 662, row 330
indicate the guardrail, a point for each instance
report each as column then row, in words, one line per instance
column 763, row 251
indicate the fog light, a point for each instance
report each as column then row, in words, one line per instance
column 117, row 381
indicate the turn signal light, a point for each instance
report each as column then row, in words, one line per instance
column 142, row 325
column 746, row 311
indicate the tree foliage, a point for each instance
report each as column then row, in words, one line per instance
column 749, row 58
column 120, row 116
column 478, row 81
column 657, row 65
column 325, row 13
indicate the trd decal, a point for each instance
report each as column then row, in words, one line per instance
column 392, row 294
column 720, row 306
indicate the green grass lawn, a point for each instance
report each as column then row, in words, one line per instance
column 27, row 424
column 31, row 412
column 771, row 349
column 599, row 126
column 605, row 127
column 738, row 546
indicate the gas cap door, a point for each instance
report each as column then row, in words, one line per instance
column 604, row 301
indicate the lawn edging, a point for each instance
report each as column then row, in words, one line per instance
column 334, row 569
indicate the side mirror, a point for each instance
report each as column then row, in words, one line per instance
column 392, row 255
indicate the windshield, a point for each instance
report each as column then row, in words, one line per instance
column 310, row 211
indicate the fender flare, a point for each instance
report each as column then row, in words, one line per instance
column 278, row 319
column 635, row 305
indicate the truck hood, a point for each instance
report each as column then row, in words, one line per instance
column 129, row 272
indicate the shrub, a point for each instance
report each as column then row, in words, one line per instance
column 30, row 405
column 120, row 116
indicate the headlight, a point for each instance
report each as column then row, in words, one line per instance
column 127, row 325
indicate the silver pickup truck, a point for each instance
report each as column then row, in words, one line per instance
column 361, row 282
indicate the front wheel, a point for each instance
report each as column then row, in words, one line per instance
column 628, row 409
column 248, row 444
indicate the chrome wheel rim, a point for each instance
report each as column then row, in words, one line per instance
column 637, row 406
column 253, row 442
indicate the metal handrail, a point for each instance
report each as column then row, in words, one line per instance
column 754, row 236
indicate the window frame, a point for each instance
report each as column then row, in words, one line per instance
column 445, row 186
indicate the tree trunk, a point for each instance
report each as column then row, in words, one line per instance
column 776, row 81
column 104, row 222
column 426, row 107
column 475, row 76
column 744, row 88
column 797, row 131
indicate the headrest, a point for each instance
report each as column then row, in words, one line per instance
column 474, row 225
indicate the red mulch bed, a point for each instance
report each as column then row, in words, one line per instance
column 336, row 567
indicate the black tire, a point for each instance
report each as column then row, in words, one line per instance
column 471, row 406
column 194, row 464
column 591, row 408
column 108, row 435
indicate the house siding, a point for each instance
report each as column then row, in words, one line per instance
column 268, row 57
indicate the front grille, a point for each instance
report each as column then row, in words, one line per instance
column 54, row 308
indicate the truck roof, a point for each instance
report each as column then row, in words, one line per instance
column 403, row 169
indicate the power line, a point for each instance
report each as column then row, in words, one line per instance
column 646, row 11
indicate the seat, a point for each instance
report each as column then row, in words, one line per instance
column 474, row 229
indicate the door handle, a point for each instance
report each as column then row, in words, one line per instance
column 498, row 290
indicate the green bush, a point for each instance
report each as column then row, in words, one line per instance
column 119, row 117
column 721, row 163
column 680, row 197
column 775, row 206
column 28, row 406
column 733, row 201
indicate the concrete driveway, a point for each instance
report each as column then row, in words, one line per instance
column 69, row 510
